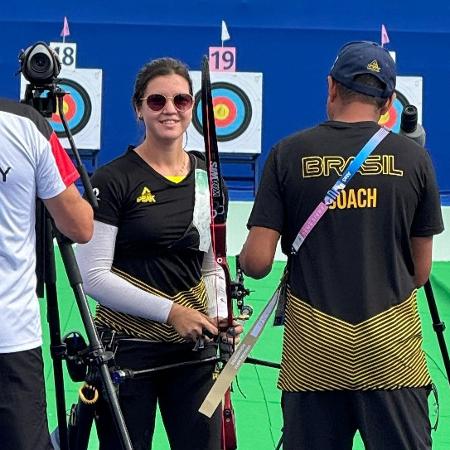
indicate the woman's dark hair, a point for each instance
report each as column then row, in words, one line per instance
column 156, row 68
column 347, row 95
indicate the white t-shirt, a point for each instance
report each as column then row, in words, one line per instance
column 32, row 164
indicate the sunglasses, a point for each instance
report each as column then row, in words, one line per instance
column 182, row 102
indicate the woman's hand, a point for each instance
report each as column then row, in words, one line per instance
column 189, row 323
column 232, row 333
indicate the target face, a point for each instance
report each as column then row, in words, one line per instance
column 232, row 111
column 237, row 103
column 77, row 108
column 408, row 92
column 393, row 117
column 81, row 105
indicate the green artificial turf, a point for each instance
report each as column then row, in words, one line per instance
column 256, row 399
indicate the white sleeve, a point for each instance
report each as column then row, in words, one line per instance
column 95, row 260
column 215, row 286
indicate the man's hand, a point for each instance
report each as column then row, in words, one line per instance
column 190, row 323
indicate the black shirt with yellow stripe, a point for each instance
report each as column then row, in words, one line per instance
column 158, row 243
column 351, row 317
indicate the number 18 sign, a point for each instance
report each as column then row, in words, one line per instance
column 67, row 52
column 222, row 59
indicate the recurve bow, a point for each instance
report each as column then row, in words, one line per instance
column 218, row 233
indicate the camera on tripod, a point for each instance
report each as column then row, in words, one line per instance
column 40, row 65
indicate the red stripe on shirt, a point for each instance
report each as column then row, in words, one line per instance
column 67, row 170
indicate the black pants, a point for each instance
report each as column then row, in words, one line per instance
column 179, row 393
column 23, row 416
column 386, row 420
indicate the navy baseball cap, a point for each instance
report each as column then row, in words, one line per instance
column 365, row 57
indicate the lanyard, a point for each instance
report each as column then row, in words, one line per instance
column 337, row 188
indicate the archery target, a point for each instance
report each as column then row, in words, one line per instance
column 237, row 103
column 232, row 111
column 82, row 107
column 408, row 92
column 77, row 108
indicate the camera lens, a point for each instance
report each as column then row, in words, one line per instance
column 409, row 119
column 40, row 63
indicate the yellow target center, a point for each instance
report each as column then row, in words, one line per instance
column 384, row 118
column 221, row 111
column 65, row 108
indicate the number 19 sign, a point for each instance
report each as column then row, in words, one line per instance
column 222, row 59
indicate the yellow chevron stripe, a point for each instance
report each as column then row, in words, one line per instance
column 195, row 298
column 321, row 352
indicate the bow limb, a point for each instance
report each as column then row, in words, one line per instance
column 218, row 231
column 218, row 198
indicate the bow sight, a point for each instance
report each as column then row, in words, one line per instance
column 239, row 292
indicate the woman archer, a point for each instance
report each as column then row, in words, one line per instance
column 151, row 269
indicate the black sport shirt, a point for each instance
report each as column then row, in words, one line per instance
column 351, row 318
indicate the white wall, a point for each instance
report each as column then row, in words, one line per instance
column 237, row 231
column 441, row 242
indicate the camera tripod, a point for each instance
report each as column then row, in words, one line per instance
column 46, row 274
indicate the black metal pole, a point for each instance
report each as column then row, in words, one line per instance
column 57, row 348
column 280, row 442
column 97, row 353
column 438, row 326
column 260, row 362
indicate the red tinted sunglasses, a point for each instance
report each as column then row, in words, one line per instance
column 182, row 102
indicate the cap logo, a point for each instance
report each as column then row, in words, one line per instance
column 373, row 66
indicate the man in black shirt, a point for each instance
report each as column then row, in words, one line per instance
column 352, row 357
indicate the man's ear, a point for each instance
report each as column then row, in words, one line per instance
column 388, row 104
column 332, row 91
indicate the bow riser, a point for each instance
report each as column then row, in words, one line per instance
column 229, row 441
column 218, row 232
